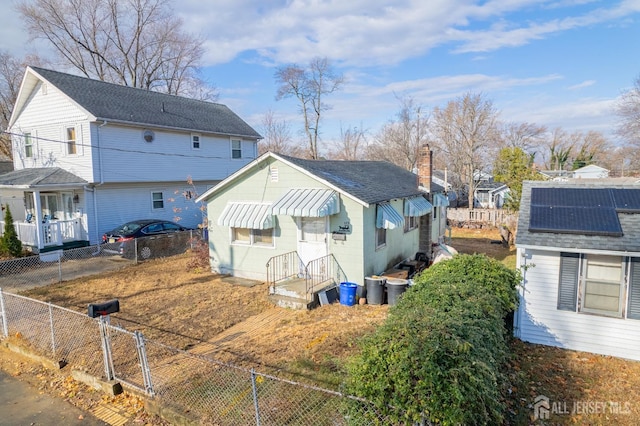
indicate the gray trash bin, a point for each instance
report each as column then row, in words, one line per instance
column 375, row 290
column 395, row 288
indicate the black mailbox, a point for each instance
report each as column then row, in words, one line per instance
column 106, row 308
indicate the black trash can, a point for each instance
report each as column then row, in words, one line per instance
column 375, row 290
column 395, row 288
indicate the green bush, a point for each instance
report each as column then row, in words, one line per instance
column 9, row 243
column 438, row 355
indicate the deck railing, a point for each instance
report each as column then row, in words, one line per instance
column 54, row 233
column 284, row 266
column 322, row 270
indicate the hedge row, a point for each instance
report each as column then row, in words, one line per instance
column 439, row 354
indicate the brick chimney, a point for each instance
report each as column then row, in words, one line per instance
column 425, row 167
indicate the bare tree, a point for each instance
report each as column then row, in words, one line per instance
column 527, row 136
column 136, row 43
column 464, row 130
column 309, row 86
column 277, row 136
column 399, row 141
column 11, row 73
column 628, row 109
column 351, row 146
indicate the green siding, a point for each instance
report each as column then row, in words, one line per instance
column 357, row 255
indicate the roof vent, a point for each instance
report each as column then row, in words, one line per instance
column 148, row 136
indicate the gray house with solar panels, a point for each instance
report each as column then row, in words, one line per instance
column 578, row 245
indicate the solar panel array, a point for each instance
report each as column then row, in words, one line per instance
column 585, row 211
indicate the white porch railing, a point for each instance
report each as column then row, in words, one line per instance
column 55, row 233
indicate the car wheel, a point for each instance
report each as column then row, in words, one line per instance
column 145, row 252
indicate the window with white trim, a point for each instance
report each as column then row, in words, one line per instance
column 599, row 284
column 236, row 148
column 28, row 145
column 70, row 134
column 195, row 141
column 157, row 200
column 252, row 237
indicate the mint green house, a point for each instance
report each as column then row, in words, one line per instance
column 281, row 218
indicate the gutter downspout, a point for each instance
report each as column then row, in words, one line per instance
column 93, row 187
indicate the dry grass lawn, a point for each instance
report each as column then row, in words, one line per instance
column 189, row 310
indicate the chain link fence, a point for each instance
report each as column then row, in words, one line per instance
column 63, row 265
column 204, row 389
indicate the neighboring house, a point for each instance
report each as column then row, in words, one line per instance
column 490, row 195
column 367, row 215
column 587, row 172
column 90, row 155
column 578, row 245
column 443, row 179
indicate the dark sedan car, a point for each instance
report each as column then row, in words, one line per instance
column 149, row 237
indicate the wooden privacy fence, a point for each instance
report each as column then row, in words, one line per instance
column 493, row 217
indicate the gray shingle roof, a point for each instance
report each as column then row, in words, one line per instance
column 113, row 102
column 43, row 176
column 369, row 181
column 630, row 222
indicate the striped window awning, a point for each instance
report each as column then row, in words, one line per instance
column 308, row 203
column 440, row 200
column 247, row 215
column 387, row 217
column 417, row 206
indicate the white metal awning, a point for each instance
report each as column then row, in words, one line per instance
column 417, row 206
column 308, row 203
column 387, row 217
column 247, row 215
column 440, row 200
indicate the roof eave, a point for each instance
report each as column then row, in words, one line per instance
column 577, row 250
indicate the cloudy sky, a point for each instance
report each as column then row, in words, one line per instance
column 556, row 63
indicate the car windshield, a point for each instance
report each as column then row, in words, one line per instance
column 128, row 228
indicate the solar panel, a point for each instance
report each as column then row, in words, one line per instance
column 575, row 220
column 571, row 197
column 626, row 200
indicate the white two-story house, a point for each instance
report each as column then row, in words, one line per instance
column 89, row 156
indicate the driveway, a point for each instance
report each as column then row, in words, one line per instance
column 20, row 405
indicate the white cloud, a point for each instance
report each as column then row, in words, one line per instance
column 582, row 85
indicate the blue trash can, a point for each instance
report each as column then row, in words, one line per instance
column 348, row 293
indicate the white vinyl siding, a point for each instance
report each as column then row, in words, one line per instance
column 538, row 319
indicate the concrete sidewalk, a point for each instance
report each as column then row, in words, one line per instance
column 21, row 404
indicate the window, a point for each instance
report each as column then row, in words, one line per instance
column 236, row 148
column 71, row 140
column 381, row 237
column 157, row 200
column 410, row 223
column 195, row 141
column 28, row 145
column 254, row 237
column 595, row 284
column 602, row 291
column 313, row 229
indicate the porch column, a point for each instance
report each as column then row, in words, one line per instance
column 38, row 218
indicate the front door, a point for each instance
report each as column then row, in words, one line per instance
column 312, row 240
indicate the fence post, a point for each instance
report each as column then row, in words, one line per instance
column 144, row 363
column 59, row 267
column 106, row 347
column 254, row 387
column 53, row 334
column 5, row 327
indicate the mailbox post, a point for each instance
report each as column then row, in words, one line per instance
column 103, row 310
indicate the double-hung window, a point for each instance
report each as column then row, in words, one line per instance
column 28, row 145
column 410, row 223
column 157, row 200
column 71, row 140
column 195, row 141
column 597, row 284
column 236, row 148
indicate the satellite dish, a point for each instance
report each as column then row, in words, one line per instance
column 149, row 136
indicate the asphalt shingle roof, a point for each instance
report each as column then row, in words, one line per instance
column 630, row 222
column 113, row 102
column 42, row 176
column 369, row 181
